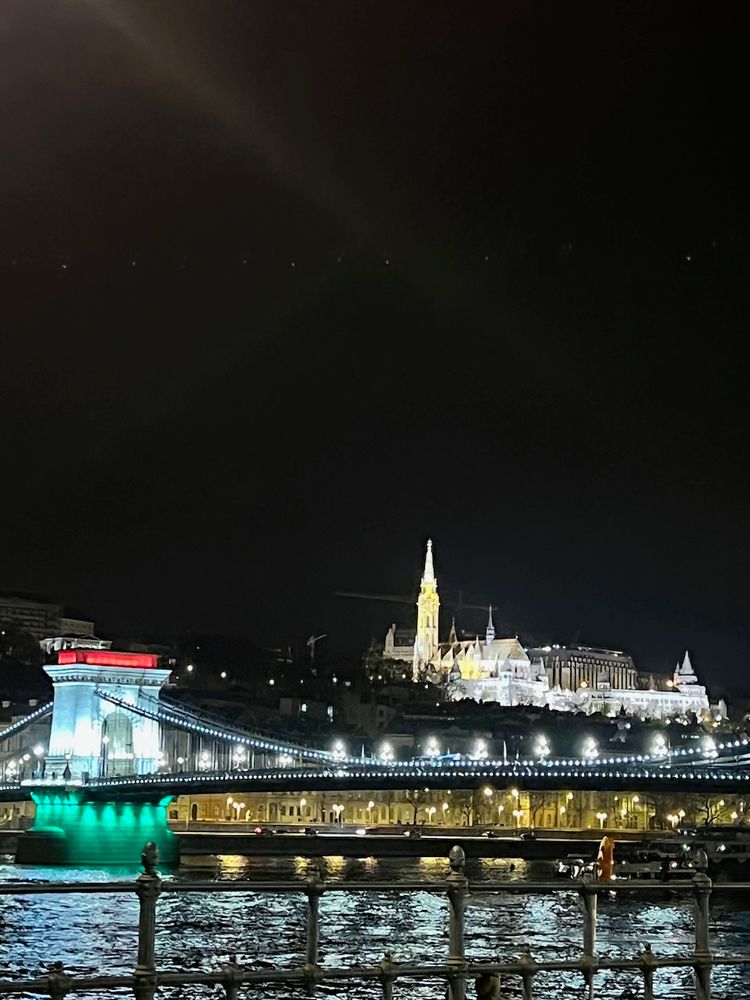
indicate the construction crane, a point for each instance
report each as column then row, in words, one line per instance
column 311, row 642
column 456, row 606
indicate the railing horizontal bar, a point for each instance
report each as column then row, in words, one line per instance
column 323, row 887
column 469, row 969
column 517, row 888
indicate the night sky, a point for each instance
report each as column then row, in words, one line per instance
column 289, row 287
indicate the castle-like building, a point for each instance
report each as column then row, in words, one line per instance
column 502, row 670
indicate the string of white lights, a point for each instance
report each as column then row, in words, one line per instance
column 20, row 724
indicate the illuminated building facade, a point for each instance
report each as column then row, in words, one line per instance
column 33, row 613
column 501, row 670
column 486, row 806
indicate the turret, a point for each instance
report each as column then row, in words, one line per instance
column 489, row 635
column 453, row 635
column 684, row 673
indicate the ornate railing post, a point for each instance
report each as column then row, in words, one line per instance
column 457, row 900
column 589, row 906
column 487, row 986
column 702, row 953
column 58, row 983
column 314, row 890
column 530, row 969
column 147, row 887
column 647, row 961
column 387, row 975
column 232, row 978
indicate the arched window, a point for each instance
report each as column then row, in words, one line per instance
column 117, row 743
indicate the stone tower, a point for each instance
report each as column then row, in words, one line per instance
column 428, row 610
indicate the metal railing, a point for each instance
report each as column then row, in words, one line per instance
column 454, row 972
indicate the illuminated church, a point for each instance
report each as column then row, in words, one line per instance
column 501, row 670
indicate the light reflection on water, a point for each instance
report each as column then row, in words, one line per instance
column 97, row 934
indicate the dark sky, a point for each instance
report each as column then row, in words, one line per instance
column 288, row 287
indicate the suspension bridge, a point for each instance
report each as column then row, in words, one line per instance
column 104, row 781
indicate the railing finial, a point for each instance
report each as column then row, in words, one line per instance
column 457, row 859
column 150, row 858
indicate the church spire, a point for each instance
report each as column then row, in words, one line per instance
column 428, row 610
column 452, row 635
column 429, row 570
column 489, row 636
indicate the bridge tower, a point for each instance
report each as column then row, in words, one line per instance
column 93, row 737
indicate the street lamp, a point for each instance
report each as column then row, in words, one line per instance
column 517, row 814
column 433, row 747
column 601, row 816
column 338, row 750
column 590, row 748
column 338, row 809
column 431, row 810
column 480, row 750
column 386, row 752
column 542, row 747
column 488, row 792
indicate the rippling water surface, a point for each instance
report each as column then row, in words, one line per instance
column 97, row 934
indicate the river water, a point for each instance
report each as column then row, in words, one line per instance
column 97, row 934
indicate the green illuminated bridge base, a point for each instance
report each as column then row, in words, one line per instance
column 69, row 830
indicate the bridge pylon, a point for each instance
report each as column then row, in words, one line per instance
column 92, row 737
